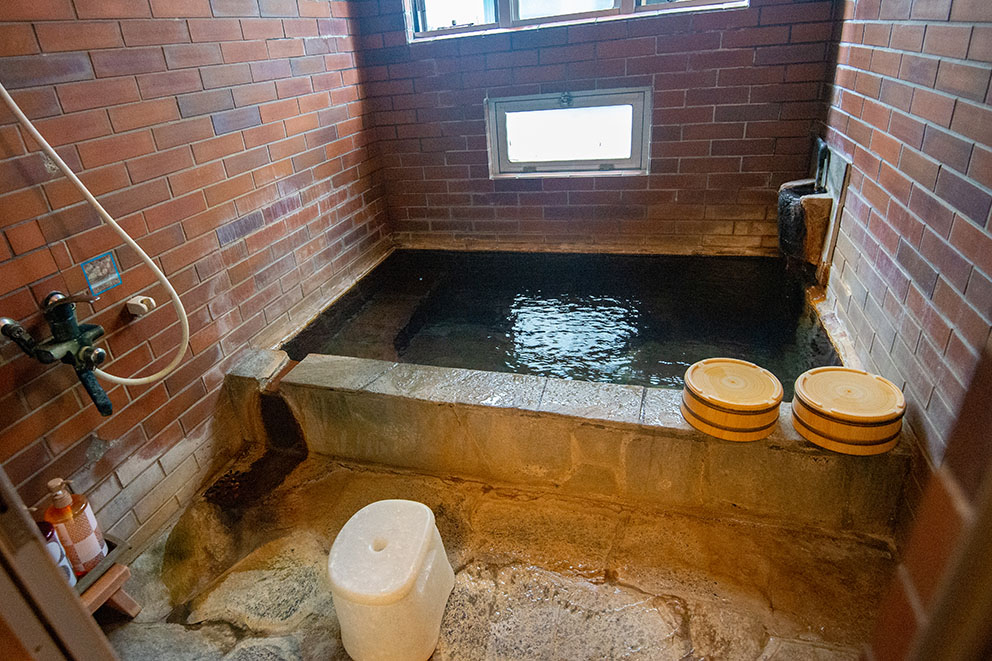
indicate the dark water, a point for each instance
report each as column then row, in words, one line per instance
column 620, row 319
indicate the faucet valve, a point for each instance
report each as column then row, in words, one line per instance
column 57, row 298
column 71, row 343
column 16, row 332
column 90, row 357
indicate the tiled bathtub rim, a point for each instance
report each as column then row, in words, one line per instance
column 836, row 330
column 641, row 408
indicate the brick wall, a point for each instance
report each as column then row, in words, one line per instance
column 947, row 517
column 912, row 274
column 227, row 137
column 737, row 94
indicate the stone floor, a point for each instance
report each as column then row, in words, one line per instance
column 537, row 577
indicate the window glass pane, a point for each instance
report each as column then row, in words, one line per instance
column 570, row 134
column 445, row 13
column 541, row 8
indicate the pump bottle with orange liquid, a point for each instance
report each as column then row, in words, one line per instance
column 76, row 527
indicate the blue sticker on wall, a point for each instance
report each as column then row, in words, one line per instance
column 101, row 273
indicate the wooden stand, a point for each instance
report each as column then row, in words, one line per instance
column 108, row 589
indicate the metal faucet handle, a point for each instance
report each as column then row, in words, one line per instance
column 57, row 298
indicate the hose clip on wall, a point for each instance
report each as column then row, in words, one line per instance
column 72, row 342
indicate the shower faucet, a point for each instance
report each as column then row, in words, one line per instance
column 71, row 342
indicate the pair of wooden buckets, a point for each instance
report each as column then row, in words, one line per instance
column 837, row 408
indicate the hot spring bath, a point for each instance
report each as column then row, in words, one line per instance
column 636, row 320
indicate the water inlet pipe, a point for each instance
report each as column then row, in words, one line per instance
column 107, row 218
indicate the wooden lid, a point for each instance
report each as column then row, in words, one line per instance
column 850, row 394
column 733, row 384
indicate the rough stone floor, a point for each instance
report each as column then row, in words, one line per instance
column 538, row 577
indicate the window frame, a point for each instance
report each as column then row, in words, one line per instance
column 507, row 12
column 416, row 14
column 515, row 19
column 639, row 163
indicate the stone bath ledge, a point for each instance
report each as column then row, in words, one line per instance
column 626, row 444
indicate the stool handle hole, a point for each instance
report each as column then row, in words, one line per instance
column 378, row 544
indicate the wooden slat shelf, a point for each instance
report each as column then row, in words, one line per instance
column 104, row 584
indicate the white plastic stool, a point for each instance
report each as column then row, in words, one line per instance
column 390, row 581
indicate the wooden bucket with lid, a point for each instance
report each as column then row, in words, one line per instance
column 848, row 410
column 731, row 399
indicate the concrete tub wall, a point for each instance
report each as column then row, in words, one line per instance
column 604, row 441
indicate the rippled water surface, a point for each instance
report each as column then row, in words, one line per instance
column 621, row 319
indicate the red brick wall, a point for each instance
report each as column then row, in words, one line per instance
column 912, row 275
column 227, row 136
column 947, row 516
column 737, row 94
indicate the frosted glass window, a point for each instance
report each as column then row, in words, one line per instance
column 582, row 133
column 529, row 9
column 570, row 134
column 442, row 14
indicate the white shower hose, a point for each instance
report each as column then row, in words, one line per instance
column 183, row 320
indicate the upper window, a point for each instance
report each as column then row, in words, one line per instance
column 430, row 19
column 599, row 132
column 528, row 9
column 445, row 14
